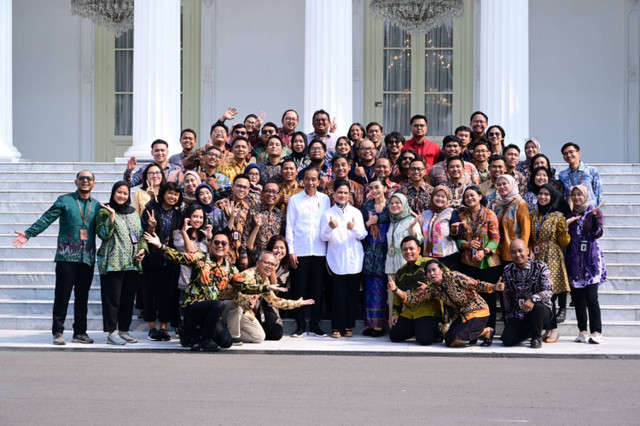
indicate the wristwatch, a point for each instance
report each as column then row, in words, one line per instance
column 535, row 298
column 486, row 251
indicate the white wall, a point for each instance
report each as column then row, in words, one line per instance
column 577, row 77
column 46, row 80
column 259, row 58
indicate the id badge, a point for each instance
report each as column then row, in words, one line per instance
column 520, row 303
column 134, row 238
column 473, row 253
column 84, row 234
column 236, row 235
column 392, row 251
column 584, row 245
column 262, row 317
column 536, row 249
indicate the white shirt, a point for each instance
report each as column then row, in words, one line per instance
column 329, row 139
column 344, row 253
column 303, row 224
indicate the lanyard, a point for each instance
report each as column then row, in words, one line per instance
column 539, row 225
column 82, row 216
column 579, row 180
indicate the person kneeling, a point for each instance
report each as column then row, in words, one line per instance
column 260, row 320
column 526, row 297
column 414, row 319
column 460, row 293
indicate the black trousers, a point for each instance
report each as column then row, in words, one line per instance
column 424, row 328
column 587, row 299
column 490, row 275
column 517, row 330
column 345, row 301
column 206, row 315
column 74, row 276
column 118, row 291
column 308, row 283
column 271, row 325
column 158, row 294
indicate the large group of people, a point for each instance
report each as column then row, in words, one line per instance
column 429, row 240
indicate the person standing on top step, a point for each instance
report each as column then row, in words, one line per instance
column 75, row 255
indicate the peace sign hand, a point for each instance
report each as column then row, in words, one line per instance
column 152, row 220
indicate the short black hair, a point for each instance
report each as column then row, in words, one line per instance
column 270, row 124
column 511, row 146
column 409, row 238
column 463, row 129
column 418, row 117
column 567, row 145
column 170, row 186
column 316, row 141
column 195, row 136
column 219, row 124
column 239, row 138
column 393, row 135
column 341, row 182
column 304, row 173
column 241, row 176
column 275, row 137
column 450, row 138
column 320, row 111
column 338, row 157
column 496, row 157
column 481, row 113
column 159, row 141
column 373, row 123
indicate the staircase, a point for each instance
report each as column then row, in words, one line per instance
column 27, row 275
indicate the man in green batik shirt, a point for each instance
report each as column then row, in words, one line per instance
column 75, row 255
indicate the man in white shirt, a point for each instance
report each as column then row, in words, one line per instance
column 307, row 251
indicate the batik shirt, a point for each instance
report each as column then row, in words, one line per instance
column 533, row 281
column 273, row 223
column 583, row 175
column 253, row 278
column 438, row 174
column 420, row 198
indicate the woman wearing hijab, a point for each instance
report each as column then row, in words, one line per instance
column 119, row 262
column 402, row 225
column 191, row 181
column 513, row 214
column 539, row 177
column 548, row 235
column 585, row 263
column 531, row 149
column 436, row 221
column 215, row 216
column 342, row 228
column 299, row 151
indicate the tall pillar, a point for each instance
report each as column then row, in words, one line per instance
column 504, row 66
column 156, row 76
column 8, row 152
column 328, row 64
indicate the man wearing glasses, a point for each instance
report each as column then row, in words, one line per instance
column 363, row 171
column 160, row 153
column 417, row 191
column 317, row 155
column 209, row 171
column 429, row 151
column 452, row 146
column 263, row 222
column 75, row 255
column 322, row 130
column 579, row 173
column 238, row 163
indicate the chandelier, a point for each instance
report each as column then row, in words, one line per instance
column 115, row 15
column 416, row 15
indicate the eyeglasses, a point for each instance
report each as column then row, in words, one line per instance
column 419, row 125
column 496, row 134
column 212, row 154
column 273, row 265
column 83, row 178
column 220, row 243
column 218, row 132
column 320, row 120
column 395, row 142
column 243, row 187
column 270, row 191
column 366, row 149
column 315, row 148
column 240, row 132
column 290, row 119
column 150, row 174
column 480, row 151
column 407, row 159
column 416, row 169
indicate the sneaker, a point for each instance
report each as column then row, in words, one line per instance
column 316, row 331
column 582, row 337
column 127, row 337
column 154, row 335
column 164, row 335
column 209, row 345
column 595, row 338
column 58, row 339
column 115, row 339
column 237, row 341
column 299, row 332
column 82, row 338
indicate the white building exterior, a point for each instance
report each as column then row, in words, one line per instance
column 569, row 67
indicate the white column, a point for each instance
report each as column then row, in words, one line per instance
column 156, row 76
column 504, row 66
column 328, row 64
column 8, row 152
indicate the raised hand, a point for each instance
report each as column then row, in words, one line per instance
column 186, row 225
column 208, row 231
column 152, row 239
column 571, row 220
column 499, row 285
column 258, row 221
column 260, row 120
column 373, row 219
column 334, row 126
column 598, row 208
column 333, row 224
column 351, row 223
column 150, row 189
column 132, row 163
column 112, row 212
column 152, row 220
column 359, row 171
column 274, row 287
column 229, row 114
column 305, row 302
column 20, row 240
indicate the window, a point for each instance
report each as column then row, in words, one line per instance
column 421, row 73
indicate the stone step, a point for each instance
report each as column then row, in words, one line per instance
column 10, row 252
column 621, row 283
column 43, row 322
column 621, row 208
column 47, row 277
column 60, row 176
column 607, row 168
column 611, row 178
column 621, row 231
column 619, row 244
column 614, row 313
column 45, row 239
column 26, row 264
column 40, row 292
column 42, row 307
column 621, row 257
column 615, row 297
column 623, row 268
column 61, row 167
column 621, row 219
column 53, row 185
column 15, row 198
column 622, row 196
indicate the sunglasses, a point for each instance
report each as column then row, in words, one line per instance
column 220, row 243
column 87, row 178
column 240, row 132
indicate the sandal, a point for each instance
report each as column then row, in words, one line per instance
column 348, row 332
column 545, row 335
column 553, row 337
column 335, row 334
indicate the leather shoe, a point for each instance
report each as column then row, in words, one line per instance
column 487, row 341
column 561, row 316
column 536, row 343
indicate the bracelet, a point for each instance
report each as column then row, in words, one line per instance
column 395, row 290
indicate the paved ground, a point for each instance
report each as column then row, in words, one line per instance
column 613, row 347
column 134, row 387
